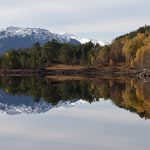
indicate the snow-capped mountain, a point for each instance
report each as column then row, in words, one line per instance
column 15, row 37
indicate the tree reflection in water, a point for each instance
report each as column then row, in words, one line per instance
column 132, row 95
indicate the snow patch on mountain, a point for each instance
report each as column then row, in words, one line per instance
column 83, row 40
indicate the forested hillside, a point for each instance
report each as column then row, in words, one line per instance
column 131, row 50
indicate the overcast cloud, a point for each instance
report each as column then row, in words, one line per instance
column 98, row 19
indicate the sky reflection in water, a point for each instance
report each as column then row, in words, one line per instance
column 100, row 125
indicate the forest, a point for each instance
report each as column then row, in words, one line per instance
column 131, row 50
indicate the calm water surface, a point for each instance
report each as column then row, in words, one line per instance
column 88, row 114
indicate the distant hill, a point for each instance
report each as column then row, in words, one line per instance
column 133, row 34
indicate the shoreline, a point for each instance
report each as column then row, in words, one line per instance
column 85, row 71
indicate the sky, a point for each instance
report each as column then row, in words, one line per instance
column 97, row 19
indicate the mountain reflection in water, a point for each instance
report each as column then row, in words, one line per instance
column 39, row 95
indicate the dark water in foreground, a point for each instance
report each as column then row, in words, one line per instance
column 87, row 114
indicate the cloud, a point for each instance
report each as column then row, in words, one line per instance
column 86, row 17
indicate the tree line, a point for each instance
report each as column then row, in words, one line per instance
column 46, row 55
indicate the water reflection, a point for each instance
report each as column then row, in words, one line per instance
column 39, row 95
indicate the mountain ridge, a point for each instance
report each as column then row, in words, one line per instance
column 16, row 37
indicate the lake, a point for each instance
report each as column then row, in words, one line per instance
column 74, row 113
